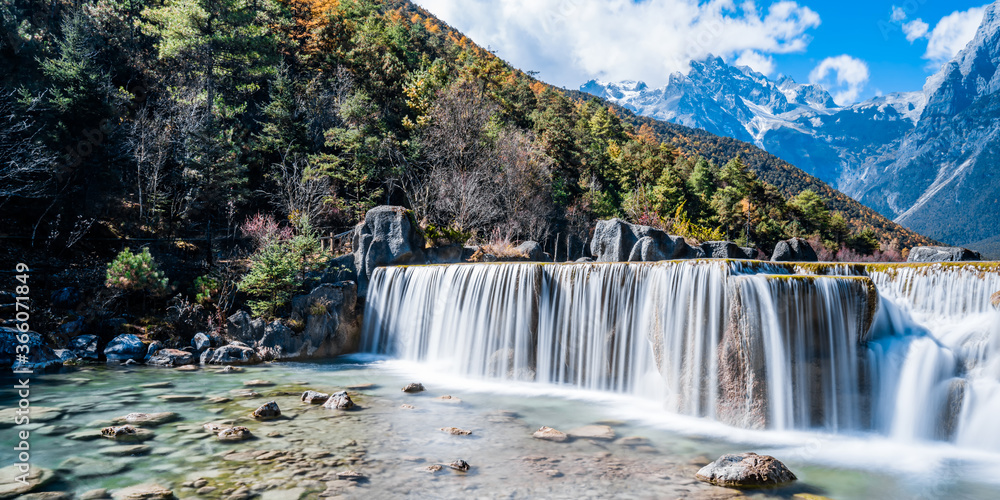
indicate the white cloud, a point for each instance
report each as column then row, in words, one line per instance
column 952, row 34
column 915, row 29
column 758, row 62
column 571, row 41
column 849, row 77
column 898, row 14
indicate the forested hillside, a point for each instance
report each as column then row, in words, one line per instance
column 179, row 119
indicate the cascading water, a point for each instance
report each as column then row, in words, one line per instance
column 751, row 344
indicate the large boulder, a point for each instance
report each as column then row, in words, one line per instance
column 389, row 236
column 746, row 470
column 724, row 250
column 240, row 326
column 39, row 356
column 794, row 250
column 340, row 269
column 331, row 326
column 85, row 347
column 618, row 241
column 942, row 254
column 448, row 254
column 532, row 251
column 125, row 347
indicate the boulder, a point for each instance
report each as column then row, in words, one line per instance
column 340, row 269
column 72, row 328
column 749, row 253
column 388, row 236
column 746, row 470
column 339, row 401
column 206, row 356
column 331, row 325
column 151, row 350
column 171, row 357
column 234, row 354
column 413, row 387
column 39, row 357
column 794, row 250
column 618, row 241
column 314, row 398
column 723, row 250
column 66, row 298
column 126, row 433
column 942, row 254
column 550, row 434
column 240, row 326
column 532, row 251
column 125, row 347
column 86, row 347
column 267, row 411
column 201, row 342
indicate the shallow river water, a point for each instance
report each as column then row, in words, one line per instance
column 301, row 454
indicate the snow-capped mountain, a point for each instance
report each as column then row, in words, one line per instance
column 927, row 159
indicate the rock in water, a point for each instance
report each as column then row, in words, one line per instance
column 238, row 433
column 339, row 401
column 11, row 487
column 234, row 354
column 746, row 470
column 593, row 432
column 151, row 419
column 794, row 250
column 459, row 465
column 170, row 357
column 267, row 411
column 455, row 431
column 126, row 433
column 143, row 492
column 550, row 434
column 414, row 388
column 314, row 398
column 995, row 300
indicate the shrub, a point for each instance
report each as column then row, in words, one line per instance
column 136, row 272
column 279, row 268
column 205, row 288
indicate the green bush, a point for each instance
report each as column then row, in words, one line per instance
column 205, row 288
column 279, row 269
column 136, row 272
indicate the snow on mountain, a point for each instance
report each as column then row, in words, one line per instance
column 928, row 159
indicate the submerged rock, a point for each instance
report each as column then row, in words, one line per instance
column 143, row 492
column 11, row 487
column 314, row 398
column 746, row 470
column 593, row 432
column 339, row 401
column 151, row 419
column 550, row 434
column 267, row 411
column 413, row 388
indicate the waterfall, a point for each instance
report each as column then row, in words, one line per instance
column 908, row 351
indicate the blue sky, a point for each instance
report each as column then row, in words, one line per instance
column 855, row 48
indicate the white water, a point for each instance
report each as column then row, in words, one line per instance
column 716, row 339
